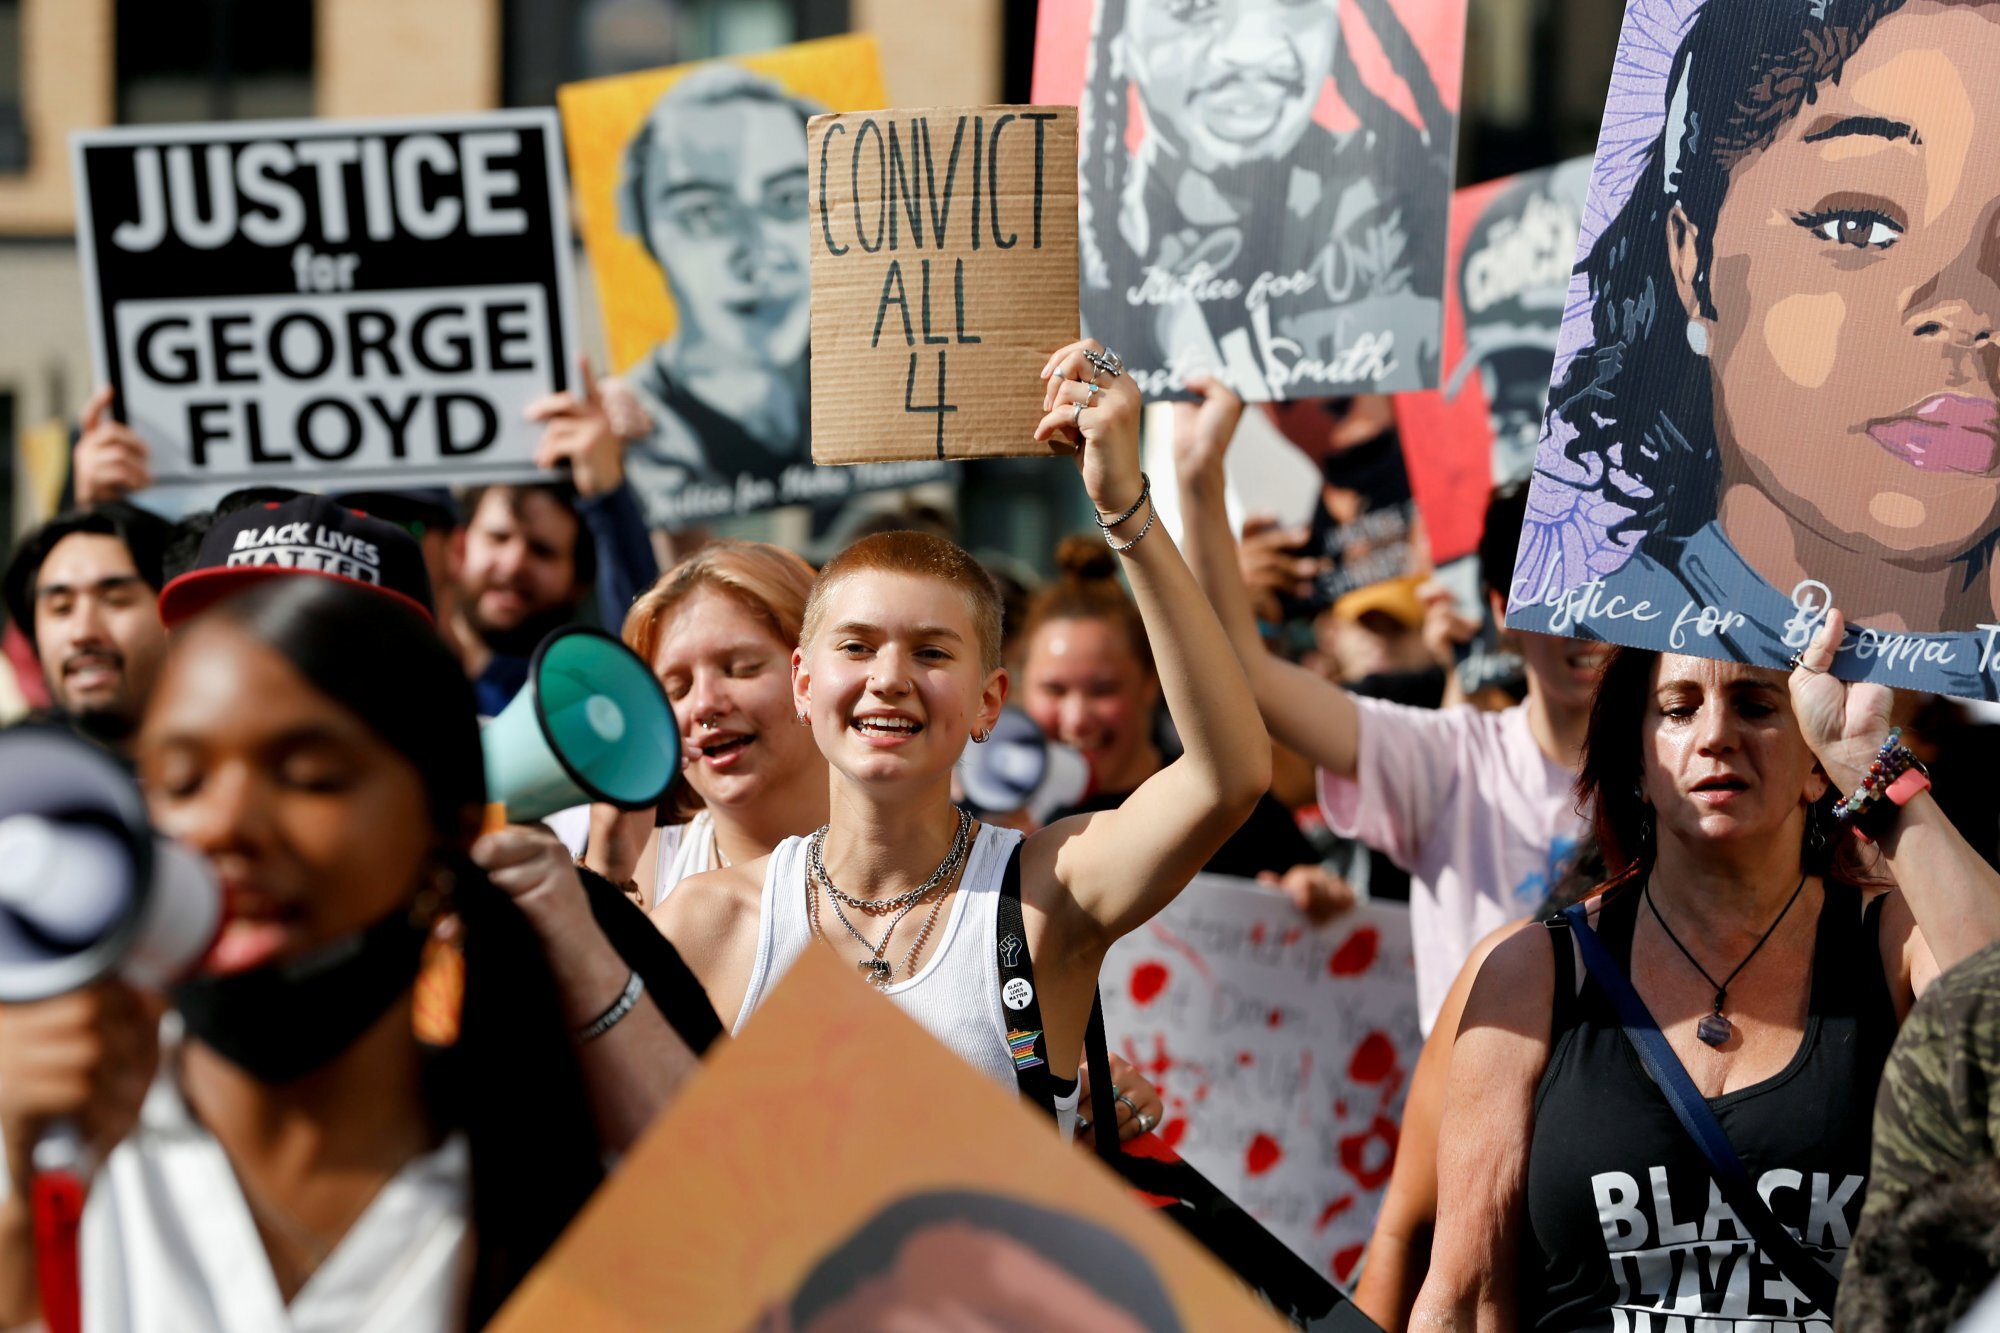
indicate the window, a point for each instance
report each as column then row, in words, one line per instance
column 551, row 42
column 13, row 129
column 191, row 60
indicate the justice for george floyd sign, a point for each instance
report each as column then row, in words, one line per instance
column 943, row 275
column 329, row 303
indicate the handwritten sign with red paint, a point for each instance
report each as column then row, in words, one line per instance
column 1282, row 1050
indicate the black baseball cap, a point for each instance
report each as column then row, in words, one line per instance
column 309, row 534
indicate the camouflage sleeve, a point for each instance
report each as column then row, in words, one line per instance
column 1923, row 1122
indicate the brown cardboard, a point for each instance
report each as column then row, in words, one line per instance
column 917, row 279
column 832, row 1106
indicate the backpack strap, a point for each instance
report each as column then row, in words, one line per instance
column 1692, row 1110
column 1026, row 1040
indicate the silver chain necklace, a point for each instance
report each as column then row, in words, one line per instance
column 902, row 901
column 879, row 970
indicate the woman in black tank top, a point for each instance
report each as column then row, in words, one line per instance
column 1571, row 1196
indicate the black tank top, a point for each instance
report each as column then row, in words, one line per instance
column 1626, row 1229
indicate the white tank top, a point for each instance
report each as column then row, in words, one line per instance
column 684, row 850
column 955, row 995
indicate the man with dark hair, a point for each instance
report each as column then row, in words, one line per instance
column 526, row 559
column 84, row 589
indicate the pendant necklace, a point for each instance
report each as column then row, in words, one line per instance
column 1714, row 1028
column 879, row 970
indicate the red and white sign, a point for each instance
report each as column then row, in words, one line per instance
column 1282, row 1051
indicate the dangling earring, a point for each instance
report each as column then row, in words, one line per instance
column 1643, row 851
column 1697, row 336
column 439, row 996
column 1815, row 836
column 805, row 720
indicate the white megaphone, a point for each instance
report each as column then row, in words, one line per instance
column 87, row 889
column 591, row 724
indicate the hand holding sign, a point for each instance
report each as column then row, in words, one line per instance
column 1843, row 722
column 1097, row 415
column 581, row 432
column 110, row 461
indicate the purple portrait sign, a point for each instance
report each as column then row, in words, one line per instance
column 1777, row 387
column 1567, row 538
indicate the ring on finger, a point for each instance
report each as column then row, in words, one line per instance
column 1126, row 1097
column 1107, row 361
column 1091, row 390
column 1147, row 1121
column 1076, row 418
column 1798, row 662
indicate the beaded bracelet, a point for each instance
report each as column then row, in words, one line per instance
column 1145, row 490
column 1891, row 761
column 1152, row 516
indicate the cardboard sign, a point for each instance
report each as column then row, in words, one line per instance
column 762, row 1199
column 1774, row 391
column 943, row 276
column 1513, row 242
column 1264, row 188
column 329, row 304
column 1282, row 1052
column 691, row 185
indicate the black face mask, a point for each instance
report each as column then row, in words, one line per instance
column 282, row 1022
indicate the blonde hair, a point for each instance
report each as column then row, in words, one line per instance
column 919, row 555
column 768, row 581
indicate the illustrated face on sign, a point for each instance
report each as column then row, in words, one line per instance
column 724, row 204
column 972, row 1260
column 1855, row 284
column 1231, row 81
column 1517, row 388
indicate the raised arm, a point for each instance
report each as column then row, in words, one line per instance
column 1121, row 866
column 1304, row 710
column 1483, row 1140
column 1947, row 886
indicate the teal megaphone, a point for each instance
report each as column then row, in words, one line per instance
column 591, row 724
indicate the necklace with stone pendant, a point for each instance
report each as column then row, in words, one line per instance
column 1714, row 1028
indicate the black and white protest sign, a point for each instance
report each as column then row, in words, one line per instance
column 329, row 304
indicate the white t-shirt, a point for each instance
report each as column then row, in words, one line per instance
column 169, row 1244
column 1468, row 804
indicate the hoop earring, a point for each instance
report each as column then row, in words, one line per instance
column 1697, row 336
column 982, row 736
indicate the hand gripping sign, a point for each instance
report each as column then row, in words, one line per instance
column 329, row 303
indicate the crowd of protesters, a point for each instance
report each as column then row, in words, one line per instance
column 284, row 1105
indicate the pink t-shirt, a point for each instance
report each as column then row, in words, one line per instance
column 1468, row 804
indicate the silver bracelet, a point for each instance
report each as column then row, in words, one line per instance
column 1152, row 515
column 610, row 1018
column 1145, row 492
